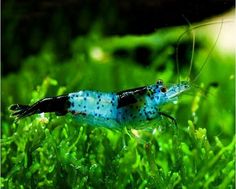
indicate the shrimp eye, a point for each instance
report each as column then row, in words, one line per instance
column 159, row 82
column 163, row 89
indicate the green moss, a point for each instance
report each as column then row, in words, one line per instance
column 56, row 152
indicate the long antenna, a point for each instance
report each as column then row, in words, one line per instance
column 209, row 54
column 193, row 46
column 192, row 55
column 190, row 28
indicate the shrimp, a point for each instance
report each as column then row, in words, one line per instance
column 133, row 107
column 115, row 110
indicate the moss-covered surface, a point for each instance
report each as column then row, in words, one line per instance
column 56, row 152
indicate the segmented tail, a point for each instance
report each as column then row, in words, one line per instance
column 19, row 110
column 59, row 105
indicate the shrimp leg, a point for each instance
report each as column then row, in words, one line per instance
column 169, row 117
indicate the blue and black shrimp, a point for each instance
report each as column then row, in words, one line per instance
column 133, row 107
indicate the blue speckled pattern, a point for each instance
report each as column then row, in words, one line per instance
column 95, row 108
column 116, row 110
column 130, row 108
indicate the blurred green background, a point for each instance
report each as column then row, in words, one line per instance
column 50, row 57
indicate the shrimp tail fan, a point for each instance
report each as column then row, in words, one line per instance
column 58, row 104
column 19, row 110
